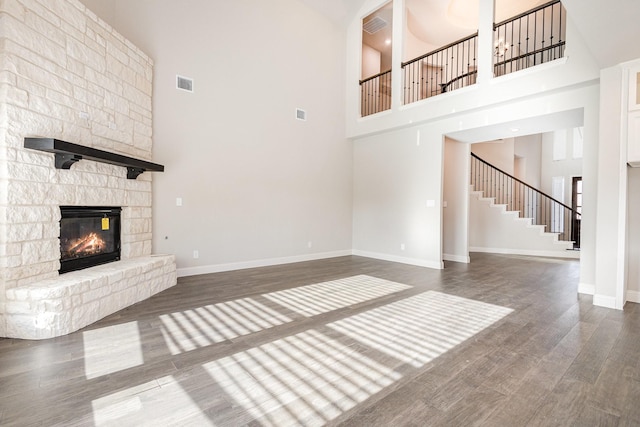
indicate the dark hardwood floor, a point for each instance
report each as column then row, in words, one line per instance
column 503, row 341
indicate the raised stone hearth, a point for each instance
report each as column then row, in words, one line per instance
column 74, row 300
column 65, row 74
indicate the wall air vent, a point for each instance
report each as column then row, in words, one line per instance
column 184, row 83
column 374, row 25
column 301, row 114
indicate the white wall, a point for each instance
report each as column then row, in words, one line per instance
column 413, row 46
column 567, row 167
column 563, row 85
column 394, row 177
column 529, row 149
column 370, row 61
column 498, row 153
column 520, row 156
column 455, row 238
column 257, row 185
column 612, row 193
column 397, row 197
column 105, row 9
column 220, row 41
column 633, row 235
column 633, row 190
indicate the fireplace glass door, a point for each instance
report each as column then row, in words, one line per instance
column 88, row 236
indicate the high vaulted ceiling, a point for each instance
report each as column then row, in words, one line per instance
column 339, row 11
column 610, row 28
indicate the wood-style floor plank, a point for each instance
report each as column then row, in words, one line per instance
column 346, row 341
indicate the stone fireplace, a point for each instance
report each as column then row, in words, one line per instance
column 66, row 74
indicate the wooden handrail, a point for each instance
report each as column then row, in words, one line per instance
column 523, row 14
column 374, row 76
column 525, row 55
column 462, row 40
column 462, row 76
column 521, row 182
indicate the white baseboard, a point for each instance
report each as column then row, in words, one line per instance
column 604, row 301
column 218, row 268
column 586, row 289
column 456, row 258
column 633, row 296
column 393, row 258
column 528, row 252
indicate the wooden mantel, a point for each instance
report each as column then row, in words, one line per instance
column 66, row 154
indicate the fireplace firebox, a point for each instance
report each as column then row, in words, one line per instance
column 89, row 236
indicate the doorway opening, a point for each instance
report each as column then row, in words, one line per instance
column 576, row 204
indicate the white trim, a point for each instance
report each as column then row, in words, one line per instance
column 586, row 289
column 467, row 201
column 397, row 51
column 528, row 252
column 430, row 99
column 411, row 261
column 456, row 258
column 631, row 77
column 605, row 301
column 622, row 262
column 633, row 296
column 529, row 70
column 218, row 268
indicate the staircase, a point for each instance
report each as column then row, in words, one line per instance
column 494, row 229
column 508, row 216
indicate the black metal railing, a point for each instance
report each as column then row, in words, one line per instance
column 528, row 39
column 527, row 200
column 442, row 70
column 375, row 93
column 531, row 38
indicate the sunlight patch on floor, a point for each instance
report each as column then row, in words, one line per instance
column 309, row 378
column 111, row 349
column 418, row 329
column 200, row 327
column 323, row 297
column 304, row 379
column 188, row 330
column 159, row 402
column 313, row 377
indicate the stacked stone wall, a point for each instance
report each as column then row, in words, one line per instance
column 66, row 74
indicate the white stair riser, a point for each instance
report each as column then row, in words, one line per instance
column 492, row 226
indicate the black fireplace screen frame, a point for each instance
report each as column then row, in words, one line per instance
column 112, row 215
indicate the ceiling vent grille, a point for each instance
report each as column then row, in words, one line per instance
column 184, row 83
column 374, row 25
column 301, row 114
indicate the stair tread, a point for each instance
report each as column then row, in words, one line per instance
column 528, row 222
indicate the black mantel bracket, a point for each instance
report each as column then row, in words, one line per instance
column 67, row 154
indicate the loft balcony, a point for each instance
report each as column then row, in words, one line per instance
column 529, row 39
column 525, row 40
